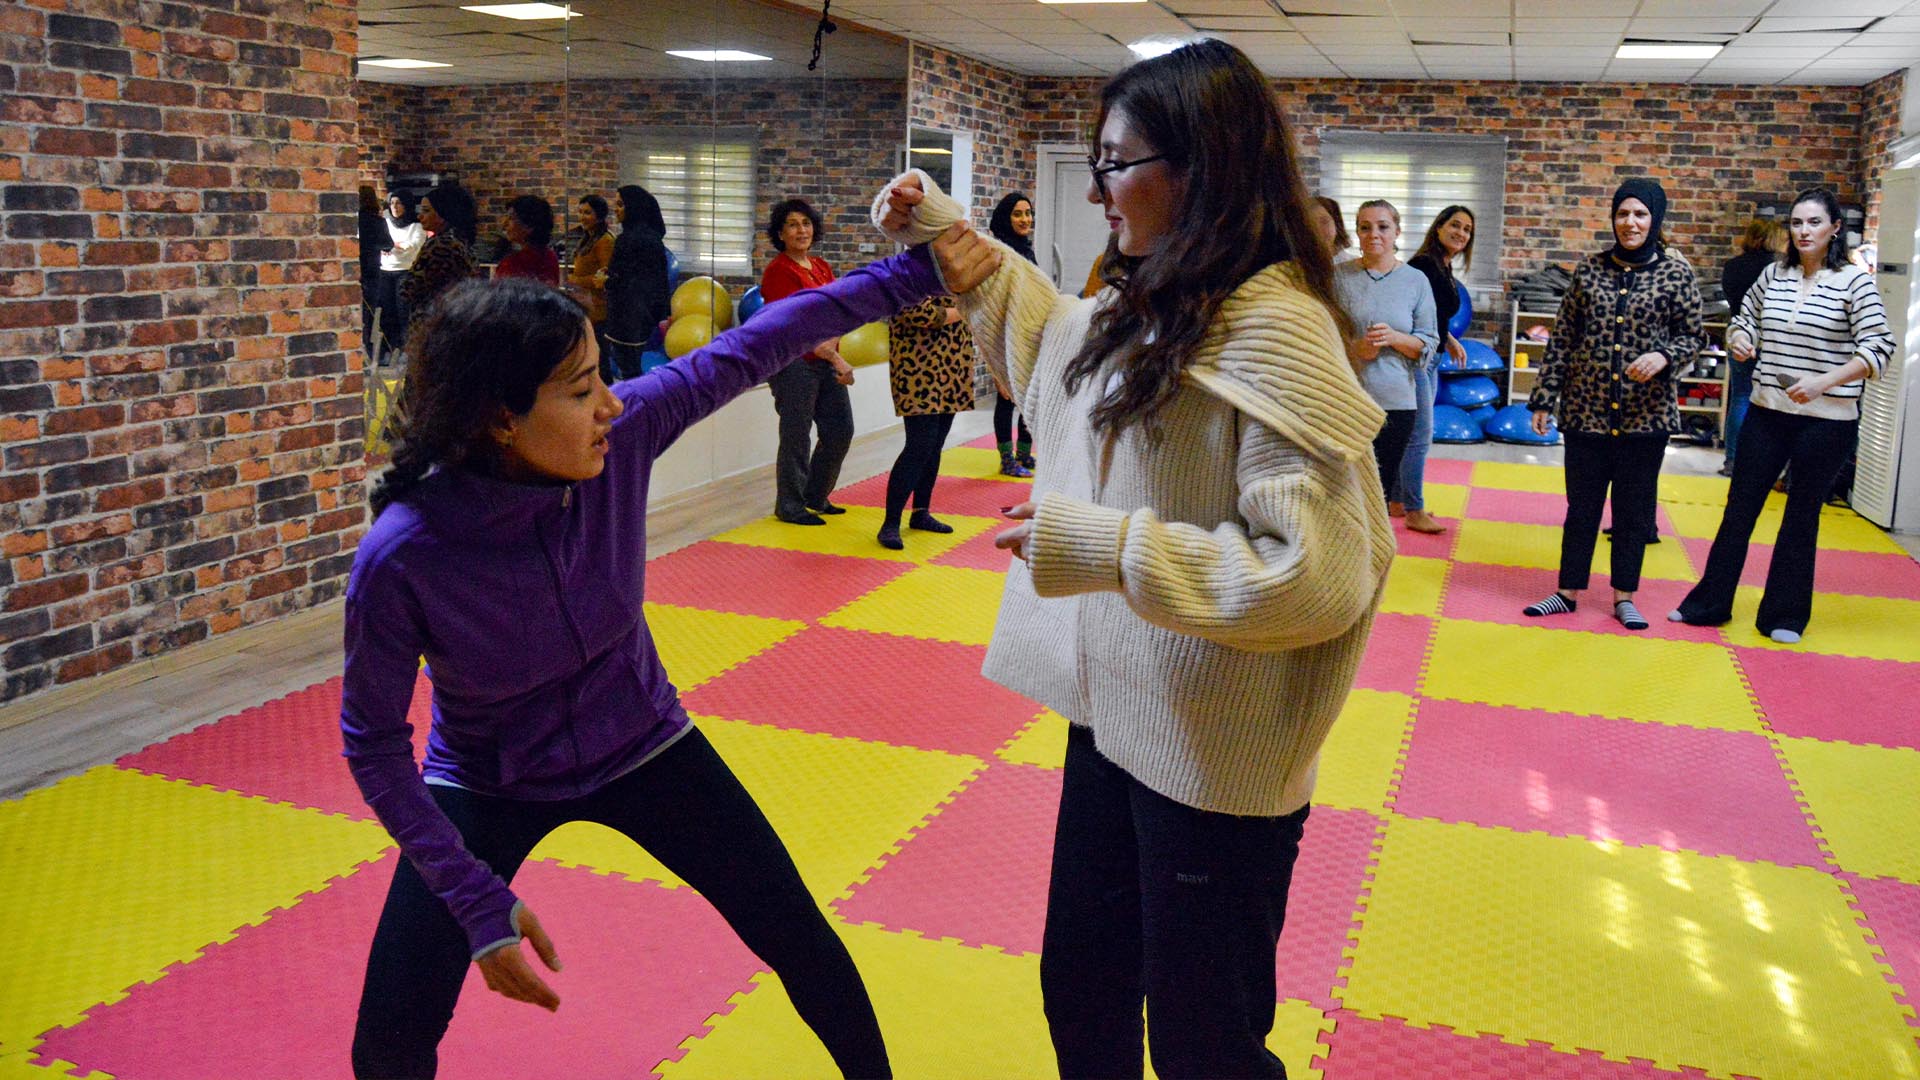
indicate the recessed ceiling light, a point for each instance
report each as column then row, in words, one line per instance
column 523, row 11
column 402, row 62
column 1148, row 48
column 1667, row 52
column 716, row 56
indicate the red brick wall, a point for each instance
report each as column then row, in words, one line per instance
column 180, row 413
column 389, row 129
column 952, row 92
column 1880, row 103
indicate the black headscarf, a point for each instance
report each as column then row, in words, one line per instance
column 1655, row 197
column 1002, row 226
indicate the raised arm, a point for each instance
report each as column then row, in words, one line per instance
column 671, row 398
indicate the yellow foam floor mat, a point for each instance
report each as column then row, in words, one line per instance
column 944, row 603
column 1877, row 627
column 1732, row 967
column 1414, row 585
column 1864, row 800
column 1358, row 761
column 852, row 534
column 1505, row 543
column 696, row 645
column 1042, row 742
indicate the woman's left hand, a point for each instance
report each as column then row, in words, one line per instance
column 1382, row 336
column 1649, row 365
column 1807, row 389
column 1016, row 538
column 1455, row 350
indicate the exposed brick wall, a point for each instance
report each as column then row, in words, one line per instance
column 1880, row 105
column 952, row 92
column 389, row 129
column 180, row 413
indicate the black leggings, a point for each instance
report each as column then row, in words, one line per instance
column 1003, row 418
column 1629, row 467
column 688, row 810
column 918, row 465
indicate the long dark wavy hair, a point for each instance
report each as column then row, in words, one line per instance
column 1836, row 257
column 1210, row 111
column 1430, row 245
column 482, row 346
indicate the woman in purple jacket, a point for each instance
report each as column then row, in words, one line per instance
column 509, row 550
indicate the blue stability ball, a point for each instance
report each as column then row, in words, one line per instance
column 651, row 360
column 1481, row 414
column 1481, row 357
column 1452, row 425
column 1464, row 317
column 1468, row 391
column 750, row 302
column 1514, row 424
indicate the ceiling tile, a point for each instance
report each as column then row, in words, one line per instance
column 1827, row 8
column 1553, row 41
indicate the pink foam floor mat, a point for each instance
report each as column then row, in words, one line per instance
column 1795, row 692
column 769, row 582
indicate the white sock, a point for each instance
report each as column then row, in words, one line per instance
column 1784, row 637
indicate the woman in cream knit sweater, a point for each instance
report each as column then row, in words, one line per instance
column 1200, row 566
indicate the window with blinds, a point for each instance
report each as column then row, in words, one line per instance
column 1422, row 175
column 704, row 179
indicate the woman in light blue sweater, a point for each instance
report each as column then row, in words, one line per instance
column 1392, row 307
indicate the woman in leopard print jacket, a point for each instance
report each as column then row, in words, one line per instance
column 1628, row 330
column 931, row 371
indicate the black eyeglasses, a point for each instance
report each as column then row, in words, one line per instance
column 1101, row 172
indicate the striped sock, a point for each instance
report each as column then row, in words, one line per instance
column 1552, row 605
column 1629, row 615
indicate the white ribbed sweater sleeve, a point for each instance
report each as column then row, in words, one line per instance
column 1299, row 572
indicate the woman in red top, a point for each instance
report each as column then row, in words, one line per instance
column 529, row 228
column 812, row 391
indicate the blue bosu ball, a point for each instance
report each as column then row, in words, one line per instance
column 1464, row 317
column 1451, row 424
column 750, row 302
column 1468, row 391
column 653, row 359
column 1481, row 357
column 1514, row 424
column 1482, row 414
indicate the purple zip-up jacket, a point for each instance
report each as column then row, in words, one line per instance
column 525, row 600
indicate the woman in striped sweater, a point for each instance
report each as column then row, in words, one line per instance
column 1825, row 331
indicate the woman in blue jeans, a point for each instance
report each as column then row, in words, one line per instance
column 1450, row 237
column 508, row 549
column 1761, row 243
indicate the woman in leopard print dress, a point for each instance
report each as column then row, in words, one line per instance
column 1628, row 330
column 931, row 369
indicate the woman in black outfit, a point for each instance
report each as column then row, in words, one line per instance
column 373, row 241
column 637, row 295
column 1012, row 225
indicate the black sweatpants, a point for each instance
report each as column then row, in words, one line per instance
column 918, row 465
column 687, row 809
column 1155, row 901
column 806, row 394
column 1630, row 465
column 1816, row 450
column 1003, row 418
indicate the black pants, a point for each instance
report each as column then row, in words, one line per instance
column 393, row 311
column 918, row 465
column 805, row 394
column 1630, row 465
column 1156, row 901
column 687, row 809
column 1003, row 418
column 1816, row 450
column 1391, row 445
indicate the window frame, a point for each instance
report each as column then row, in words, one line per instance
column 1415, row 197
column 724, row 246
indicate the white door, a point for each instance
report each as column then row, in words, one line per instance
column 1069, row 232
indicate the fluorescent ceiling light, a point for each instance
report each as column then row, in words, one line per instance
column 1148, row 48
column 716, row 56
column 402, row 62
column 1060, row 2
column 1667, row 52
column 932, row 150
column 523, row 11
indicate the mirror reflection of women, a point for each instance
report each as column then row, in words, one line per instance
column 1820, row 330
column 812, row 391
column 638, row 299
column 1195, row 597
column 446, row 259
column 374, row 242
column 407, row 237
column 528, row 225
column 1761, row 243
column 1627, row 331
column 1331, row 226
column 586, row 276
column 1012, row 225
column 930, row 371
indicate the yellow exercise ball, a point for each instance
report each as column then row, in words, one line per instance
column 703, row 296
column 866, row 345
column 687, row 333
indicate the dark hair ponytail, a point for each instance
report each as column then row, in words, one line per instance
column 482, row 347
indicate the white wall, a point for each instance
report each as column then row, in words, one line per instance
column 1910, row 106
column 745, row 434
